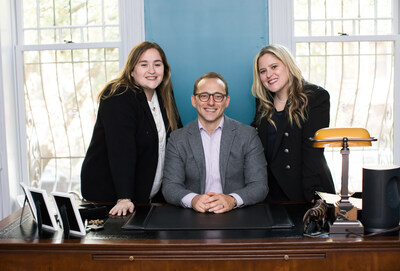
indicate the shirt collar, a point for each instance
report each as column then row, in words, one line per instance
column 154, row 99
column 220, row 125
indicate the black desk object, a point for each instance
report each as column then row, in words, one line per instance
column 162, row 218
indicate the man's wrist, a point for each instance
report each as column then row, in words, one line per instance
column 121, row 200
column 234, row 201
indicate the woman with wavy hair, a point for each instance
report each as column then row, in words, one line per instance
column 137, row 112
column 289, row 111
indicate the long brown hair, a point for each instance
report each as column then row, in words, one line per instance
column 296, row 107
column 125, row 80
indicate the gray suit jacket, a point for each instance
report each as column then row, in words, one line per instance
column 243, row 167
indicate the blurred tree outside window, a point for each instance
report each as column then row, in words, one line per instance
column 348, row 47
column 69, row 50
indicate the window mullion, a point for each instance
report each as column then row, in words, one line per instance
column 396, row 31
column 309, row 18
column 102, row 19
column 19, row 22
column 396, row 14
column 345, row 38
column 21, row 126
column 396, row 99
column 38, row 20
column 69, row 46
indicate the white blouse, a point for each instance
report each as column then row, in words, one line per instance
column 158, row 119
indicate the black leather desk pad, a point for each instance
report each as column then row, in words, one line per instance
column 113, row 231
column 177, row 218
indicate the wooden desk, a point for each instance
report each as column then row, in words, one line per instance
column 114, row 249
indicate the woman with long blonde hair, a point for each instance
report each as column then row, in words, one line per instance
column 289, row 111
column 137, row 112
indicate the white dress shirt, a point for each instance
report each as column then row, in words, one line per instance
column 156, row 111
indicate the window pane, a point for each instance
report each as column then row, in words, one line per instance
column 384, row 27
column 48, row 36
column 359, row 78
column 46, row 13
column 95, row 34
column 94, row 9
column 67, row 21
column 350, row 8
column 111, row 33
column 62, row 11
column 61, row 88
column 29, row 11
column 367, row 27
column 112, row 54
column 317, row 9
column 318, row 28
column 79, row 12
column 367, row 9
column 333, row 10
column 301, row 28
column 301, row 9
column 348, row 27
column 353, row 17
column 111, row 16
column 384, row 8
column 338, row 28
column 30, row 36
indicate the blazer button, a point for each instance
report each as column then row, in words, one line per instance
column 286, row 150
column 287, row 167
column 286, row 134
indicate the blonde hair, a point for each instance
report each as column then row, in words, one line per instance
column 125, row 80
column 296, row 105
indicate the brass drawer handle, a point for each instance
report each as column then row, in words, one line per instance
column 286, row 257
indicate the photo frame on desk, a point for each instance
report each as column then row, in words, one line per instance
column 28, row 199
column 39, row 202
column 68, row 212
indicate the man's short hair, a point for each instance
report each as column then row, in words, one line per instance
column 210, row 75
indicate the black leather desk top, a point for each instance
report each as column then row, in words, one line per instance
column 178, row 218
column 113, row 229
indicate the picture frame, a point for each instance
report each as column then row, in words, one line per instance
column 67, row 209
column 28, row 199
column 39, row 201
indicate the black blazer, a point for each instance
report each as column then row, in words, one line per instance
column 300, row 169
column 121, row 160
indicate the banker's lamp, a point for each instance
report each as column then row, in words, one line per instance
column 345, row 213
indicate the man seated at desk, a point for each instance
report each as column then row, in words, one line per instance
column 214, row 163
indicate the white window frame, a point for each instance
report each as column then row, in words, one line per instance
column 281, row 31
column 13, row 154
column 5, row 206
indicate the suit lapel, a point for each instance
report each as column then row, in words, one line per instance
column 196, row 145
column 227, row 136
column 163, row 113
column 145, row 106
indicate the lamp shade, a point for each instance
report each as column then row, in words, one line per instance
column 333, row 137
